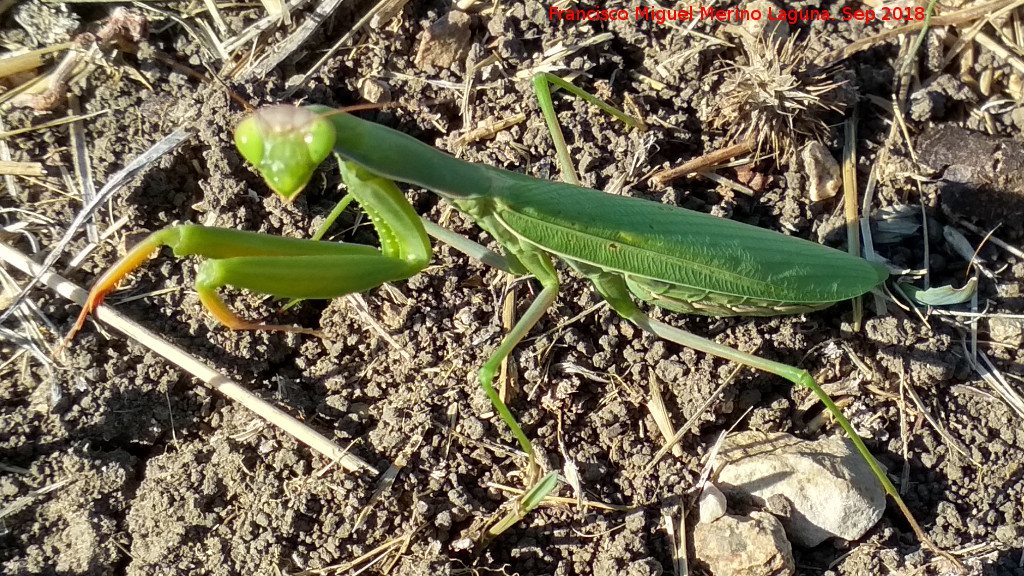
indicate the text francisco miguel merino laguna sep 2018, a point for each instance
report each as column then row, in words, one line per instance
column 738, row 15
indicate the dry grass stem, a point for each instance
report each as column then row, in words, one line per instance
column 953, row 441
column 508, row 374
column 691, row 421
column 968, row 14
column 702, row 163
column 273, row 56
column 850, row 206
column 295, row 85
column 83, row 167
column 116, row 182
column 373, row 556
column 656, row 406
column 358, row 303
column 559, row 52
column 995, row 379
column 19, row 504
column 123, row 30
column 488, row 129
column 10, row 168
column 28, row 61
column 676, row 532
column 553, row 500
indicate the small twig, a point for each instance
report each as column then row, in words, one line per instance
column 701, row 163
column 951, row 19
column 11, row 168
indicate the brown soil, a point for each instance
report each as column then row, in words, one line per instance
column 159, row 475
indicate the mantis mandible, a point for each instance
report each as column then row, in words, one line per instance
column 630, row 249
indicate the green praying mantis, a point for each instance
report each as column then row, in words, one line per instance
column 629, row 249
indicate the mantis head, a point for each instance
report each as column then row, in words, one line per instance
column 285, row 144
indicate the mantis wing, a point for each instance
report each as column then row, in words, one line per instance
column 685, row 256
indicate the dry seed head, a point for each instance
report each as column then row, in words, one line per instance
column 776, row 100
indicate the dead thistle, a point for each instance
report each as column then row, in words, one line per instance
column 776, row 100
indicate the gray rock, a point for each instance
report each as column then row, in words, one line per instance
column 445, row 42
column 819, row 489
column 711, row 504
column 742, row 546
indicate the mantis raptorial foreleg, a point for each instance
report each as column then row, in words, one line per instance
column 288, row 267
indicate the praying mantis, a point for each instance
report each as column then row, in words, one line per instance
column 629, row 249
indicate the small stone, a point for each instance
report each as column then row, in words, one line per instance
column 1008, row 331
column 443, row 519
column 744, row 546
column 473, row 428
column 711, row 504
column 779, row 506
column 375, row 91
column 822, row 170
column 831, row 489
column 445, row 41
column 1010, row 534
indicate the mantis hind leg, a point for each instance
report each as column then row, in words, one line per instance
column 799, row 377
column 526, row 260
column 614, row 289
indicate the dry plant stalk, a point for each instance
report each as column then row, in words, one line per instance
column 123, row 30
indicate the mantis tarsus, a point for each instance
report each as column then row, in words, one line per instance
column 628, row 248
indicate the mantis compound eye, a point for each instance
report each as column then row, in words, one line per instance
column 285, row 144
column 249, row 141
column 320, row 137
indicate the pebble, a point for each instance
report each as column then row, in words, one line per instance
column 744, row 546
column 828, row 488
